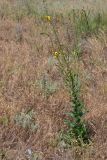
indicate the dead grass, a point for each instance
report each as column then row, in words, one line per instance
column 22, row 64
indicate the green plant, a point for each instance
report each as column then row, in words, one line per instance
column 77, row 128
column 26, row 120
column 76, row 125
column 47, row 86
column 87, row 23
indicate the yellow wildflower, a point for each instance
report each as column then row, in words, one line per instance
column 56, row 54
column 48, row 18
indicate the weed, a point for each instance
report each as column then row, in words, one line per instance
column 78, row 129
column 87, row 23
column 76, row 124
column 26, row 120
column 47, row 86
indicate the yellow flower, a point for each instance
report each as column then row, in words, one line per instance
column 56, row 54
column 48, row 18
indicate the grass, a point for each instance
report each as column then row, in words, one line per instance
column 53, row 70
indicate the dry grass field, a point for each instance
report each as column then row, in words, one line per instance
column 34, row 99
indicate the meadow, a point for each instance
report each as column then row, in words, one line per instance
column 53, row 80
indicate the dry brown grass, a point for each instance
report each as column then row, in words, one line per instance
column 23, row 62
